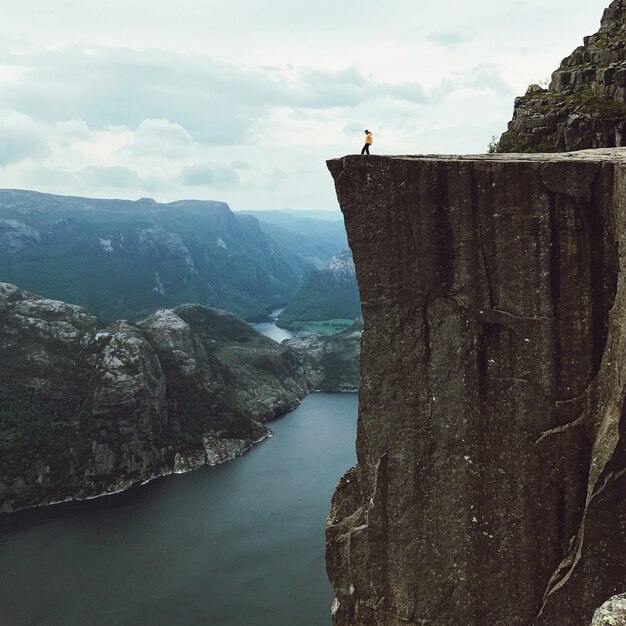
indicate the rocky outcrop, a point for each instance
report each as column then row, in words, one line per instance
column 585, row 104
column 15, row 236
column 490, row 487
column 611, row 613
column 331, row 362
column 88, row 409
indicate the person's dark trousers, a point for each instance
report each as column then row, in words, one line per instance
column 366, row 149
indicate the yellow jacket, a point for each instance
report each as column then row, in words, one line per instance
column 368, row 138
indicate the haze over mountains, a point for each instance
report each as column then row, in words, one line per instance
column 328, row 294
column 124, row 259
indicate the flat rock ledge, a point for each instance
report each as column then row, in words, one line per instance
column 490, row 488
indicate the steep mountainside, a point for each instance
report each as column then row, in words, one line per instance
column 123, row 259
column 314, row 240
column 491, row 478
column 331, row 363
column 585, row 105
column 332, row 293
column 88, row 409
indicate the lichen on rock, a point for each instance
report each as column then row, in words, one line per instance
column 611, row 613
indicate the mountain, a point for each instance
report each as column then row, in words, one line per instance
column 88, row 408
column 124, row 259
column 313, row 236
column 585, row 104
column 286, row 217
column 331, row 362
column 329, row 294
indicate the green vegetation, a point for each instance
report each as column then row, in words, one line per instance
column 33, row 428
column 323, row 295
column 122, row 259
column 322, row 327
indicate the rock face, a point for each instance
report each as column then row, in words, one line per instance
column 490, row 487
column 611, row 613
column 585, row 105
column 88, row 409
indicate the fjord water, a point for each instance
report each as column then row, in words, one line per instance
column 269, row 329
column 233, row 545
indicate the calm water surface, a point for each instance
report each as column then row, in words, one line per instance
column 269, row 329
column 237, row 544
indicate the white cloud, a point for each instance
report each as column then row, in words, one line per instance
column 216, row 175
column 160, row 137
column 21, row 138
column 244, row 101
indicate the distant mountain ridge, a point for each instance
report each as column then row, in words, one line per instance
column 313, row 236
column 331, row 293
column 125, row 259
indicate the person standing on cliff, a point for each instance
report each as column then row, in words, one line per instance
column 368, row 142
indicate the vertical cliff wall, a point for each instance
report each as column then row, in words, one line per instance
column 491, row 479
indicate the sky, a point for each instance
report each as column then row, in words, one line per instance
column 243, row 101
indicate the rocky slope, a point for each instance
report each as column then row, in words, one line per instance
column 331, row 293
column 585, row 105
column 331, row 362
column 490, row 487
column 88, row 409
column 123, row 259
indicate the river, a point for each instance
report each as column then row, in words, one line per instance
column 240, row 544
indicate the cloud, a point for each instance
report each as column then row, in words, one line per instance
column 173, row 99
column 113, row 176
column 449, row 38
column 117, row 177
column 71, row 130
column 21, row 138
column 209, row 174
column 485, row 77
column 241, row 165
column 353, row 127
column 120, row 87
column 160, row 137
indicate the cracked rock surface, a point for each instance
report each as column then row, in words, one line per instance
column 490, row 487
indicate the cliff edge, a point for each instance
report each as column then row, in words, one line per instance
column 490, row 487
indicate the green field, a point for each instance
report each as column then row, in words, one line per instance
column 322, row 327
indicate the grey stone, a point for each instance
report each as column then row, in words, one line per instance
column 611, row 613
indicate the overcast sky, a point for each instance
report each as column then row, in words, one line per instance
column 243, row 100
